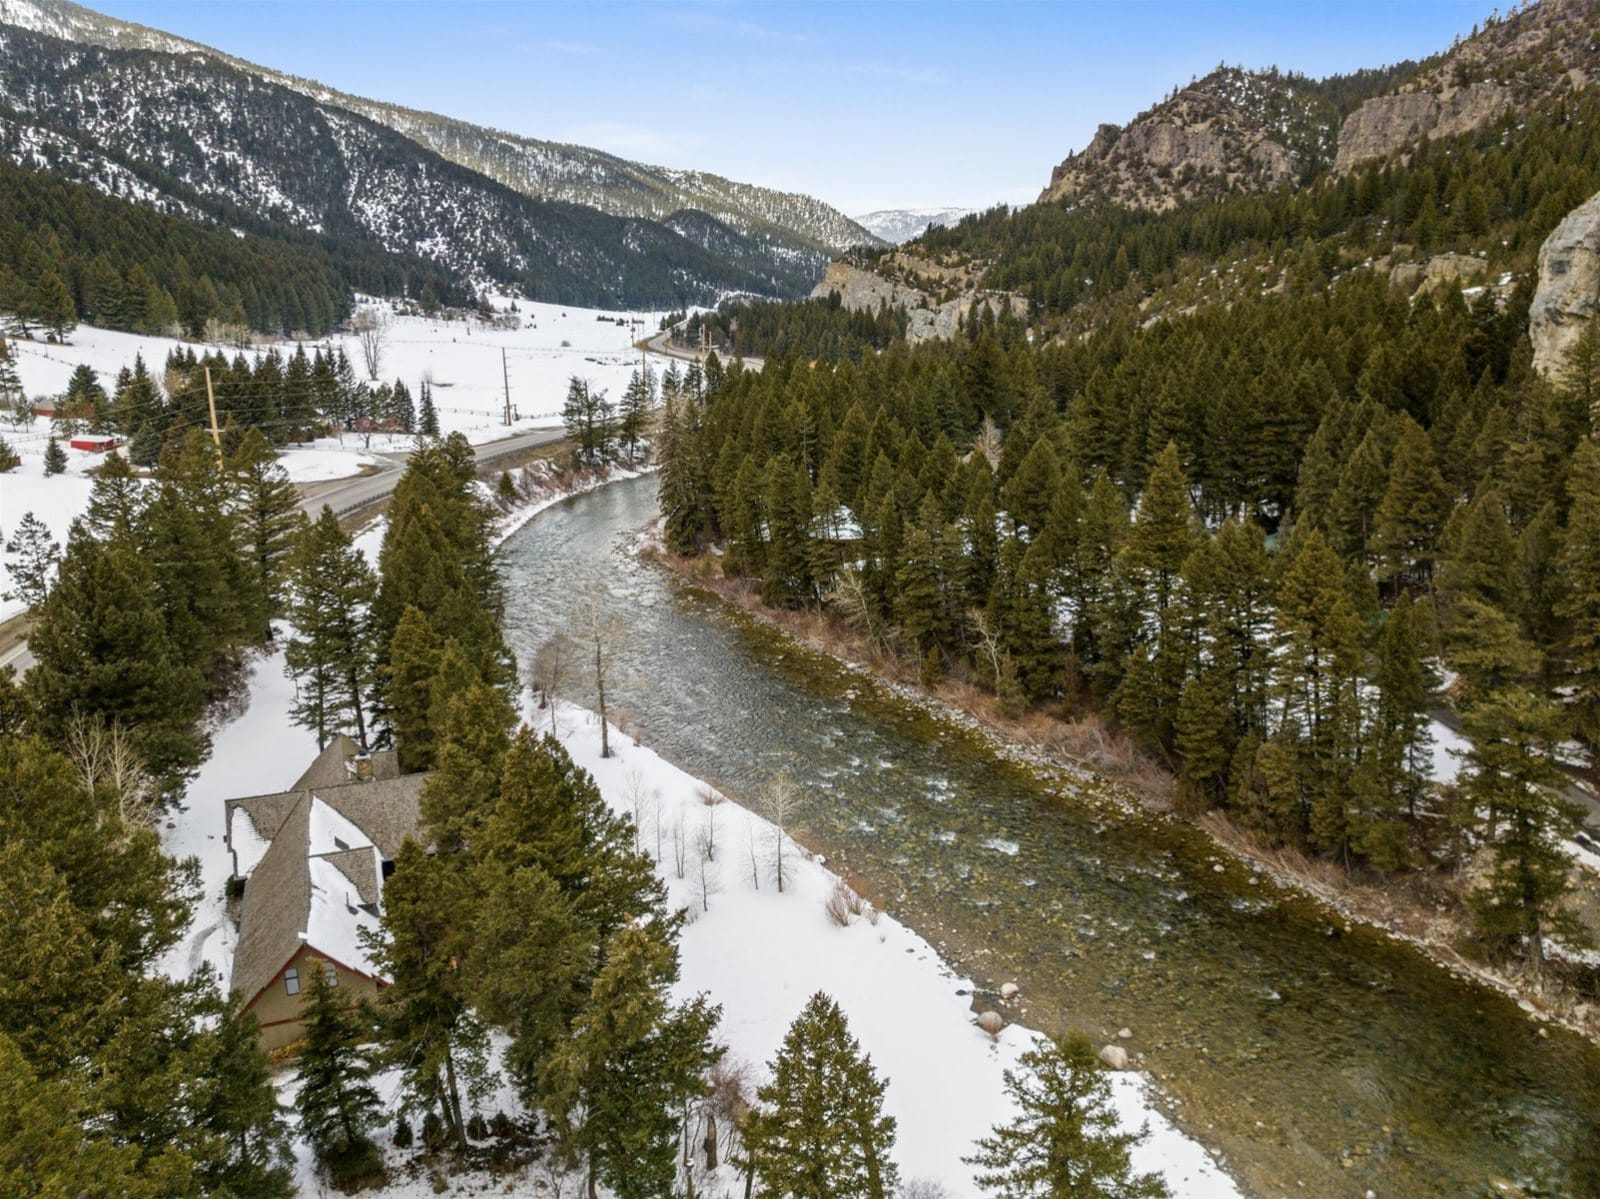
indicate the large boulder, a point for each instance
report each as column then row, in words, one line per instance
column 1568, row 296
column 1114, row 1056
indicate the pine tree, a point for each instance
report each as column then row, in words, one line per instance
column 1512, row 780
column 337, row 1103
column 330, row 653
column 51, row 306
column 45, row 1149
column 1063, row 1142
column 37, row 556
column 102, row 649
column 404, row 679
column 55, row 458
column 428, row 415
column 618, row 1086
column 1395, row 767
column 1577, row 600
column 268, row 513
column 241, row 1109
column 633, row 416
column 1408, row 521
column 1315, row 683
column 472, row 726
column 821, row 1131
column 428, row 1028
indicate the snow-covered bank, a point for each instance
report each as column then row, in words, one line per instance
column 761, row 954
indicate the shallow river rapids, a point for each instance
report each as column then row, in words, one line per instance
column 1319, row 1061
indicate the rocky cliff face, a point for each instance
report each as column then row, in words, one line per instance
column 1390, row 124
column 927, row 318
column 1231, row 130
column 1509, row 64
column 1241, row 130
column 1568, row 296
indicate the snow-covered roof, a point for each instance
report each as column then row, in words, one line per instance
column 314, row 860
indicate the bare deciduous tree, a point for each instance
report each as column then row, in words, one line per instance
column 780, row 801
column 755, row 861
column 712, row 802
column 634, row 789
column 680, row 846
column 103, row 755
column 372, row 332
column 552, row 669
column 988, row 640
column 707, row 878
column 851, row 599
column 602, row 635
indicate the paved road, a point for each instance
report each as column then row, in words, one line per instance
column 661, row 344
column 347, row 495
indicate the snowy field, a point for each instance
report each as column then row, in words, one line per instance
column 462, row 359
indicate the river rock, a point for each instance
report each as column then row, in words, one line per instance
column 1124, row 1034
column 1009, row 990
column 1568, row 295
column 991, row 1022
column 1114, row 1056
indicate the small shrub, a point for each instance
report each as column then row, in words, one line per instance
column 404, row 1138
column 359, row 1167
column 843, row 905
column 501, row 1126
column 478, row 1127
column 433, row 1132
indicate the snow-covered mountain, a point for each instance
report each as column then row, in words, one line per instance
column 164, row 120
column 897, row 225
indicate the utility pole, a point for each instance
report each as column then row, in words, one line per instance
column 505, row 375
column 211, row 402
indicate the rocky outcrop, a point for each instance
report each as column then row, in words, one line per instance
column 1568, row 296
column 927, row 318
column 1232, row 130
column 1438, row 273
column 1389, row 125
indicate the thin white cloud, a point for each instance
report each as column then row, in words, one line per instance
column 575, row 49
column 702, row 20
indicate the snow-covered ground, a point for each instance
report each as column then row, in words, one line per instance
column 758, row 953
column 460, row 358
column 55, row 500
column 762, row 954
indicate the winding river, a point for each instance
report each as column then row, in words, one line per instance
column 1319, row 1060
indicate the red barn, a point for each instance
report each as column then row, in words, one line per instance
column 95, row 445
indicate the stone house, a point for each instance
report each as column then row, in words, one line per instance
column 309, row 866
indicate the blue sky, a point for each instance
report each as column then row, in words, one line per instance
column 866, row 105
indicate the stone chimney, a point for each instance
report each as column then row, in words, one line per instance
column 363, row 764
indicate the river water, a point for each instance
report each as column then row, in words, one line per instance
column 1320, row 1061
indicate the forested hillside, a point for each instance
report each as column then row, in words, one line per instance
column 69, row 253
column 1248, row 537
column 785, row 228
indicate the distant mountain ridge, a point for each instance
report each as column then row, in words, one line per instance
column 897, row 225
column 539, row 201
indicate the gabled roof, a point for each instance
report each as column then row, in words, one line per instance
column 314, row 859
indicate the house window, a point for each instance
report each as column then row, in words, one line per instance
column 291, row 980
column 330, row 974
